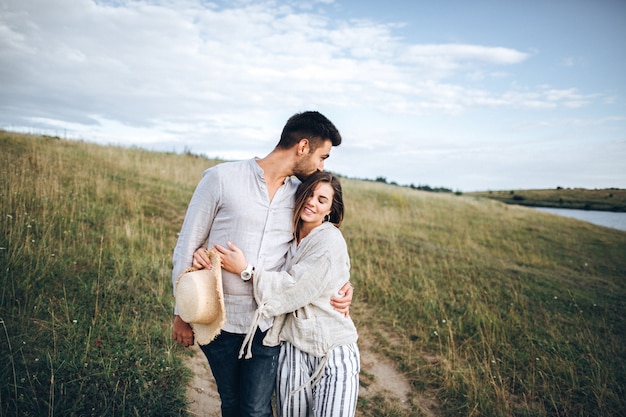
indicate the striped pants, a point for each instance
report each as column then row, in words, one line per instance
column 334, row 394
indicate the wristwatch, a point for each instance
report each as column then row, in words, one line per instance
column 247, row 273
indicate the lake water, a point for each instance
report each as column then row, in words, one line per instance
column 602, row 218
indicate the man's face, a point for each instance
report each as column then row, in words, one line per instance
column 312, row 161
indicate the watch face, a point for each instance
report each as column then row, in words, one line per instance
column 246, row 274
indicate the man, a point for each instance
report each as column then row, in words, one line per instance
column 250, row 203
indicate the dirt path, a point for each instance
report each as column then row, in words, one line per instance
column 202, row 392
column 379, row 371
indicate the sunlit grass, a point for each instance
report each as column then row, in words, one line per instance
column 488, row 309
column 498, row 309
column 612, row 199
column 85, row 300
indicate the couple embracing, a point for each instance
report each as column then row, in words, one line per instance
column 285, row 281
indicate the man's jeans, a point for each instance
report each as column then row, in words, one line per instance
column 245, row 385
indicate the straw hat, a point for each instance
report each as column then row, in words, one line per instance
column 200, row 300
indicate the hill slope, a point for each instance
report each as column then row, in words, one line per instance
column 487, row 309
column 612, row 199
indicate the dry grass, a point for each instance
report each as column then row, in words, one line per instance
column 489, row 309
column 612, row 199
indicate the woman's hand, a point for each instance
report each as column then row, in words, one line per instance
column 342, row 303
column 201, row 259
column 233, row 259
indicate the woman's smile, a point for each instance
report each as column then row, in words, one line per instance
column 318, row 205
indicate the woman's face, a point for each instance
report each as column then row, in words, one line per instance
column 318, row 205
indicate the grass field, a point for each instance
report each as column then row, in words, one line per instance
column 612, row 199
column 488, row 309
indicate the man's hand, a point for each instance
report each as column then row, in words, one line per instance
column 183, row 333
column 342, row 303
column 201, row 259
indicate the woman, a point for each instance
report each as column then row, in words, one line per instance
column 319, row 363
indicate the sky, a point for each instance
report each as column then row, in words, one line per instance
column 466, row 95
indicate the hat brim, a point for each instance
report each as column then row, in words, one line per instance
column 206, row 333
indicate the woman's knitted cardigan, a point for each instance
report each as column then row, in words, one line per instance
column 299, row 296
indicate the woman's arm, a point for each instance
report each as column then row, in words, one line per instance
column 287, row 290
column 201, row 259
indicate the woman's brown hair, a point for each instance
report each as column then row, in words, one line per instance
column 306, row 190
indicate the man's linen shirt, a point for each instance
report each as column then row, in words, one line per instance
column 231, row 204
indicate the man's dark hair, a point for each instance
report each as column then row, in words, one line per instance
column 311, row 125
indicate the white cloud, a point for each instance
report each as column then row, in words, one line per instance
column 201, row 74
column 152, row 61
column 459, row 52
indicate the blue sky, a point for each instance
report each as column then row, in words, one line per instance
column 468, row 95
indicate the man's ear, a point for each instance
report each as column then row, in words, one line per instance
column 303, row 146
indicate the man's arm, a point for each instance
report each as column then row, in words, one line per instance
column 342, row 303
column 193, row 234
column 197, row 224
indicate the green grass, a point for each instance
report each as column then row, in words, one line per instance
column 488, row 309
column 85, row 300
column 500, row 310
column 612, row 199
